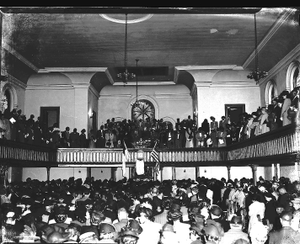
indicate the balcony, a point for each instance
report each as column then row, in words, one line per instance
column 281, row 145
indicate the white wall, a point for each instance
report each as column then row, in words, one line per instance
column 63, row 98
column 212, row 100
column 170, row 101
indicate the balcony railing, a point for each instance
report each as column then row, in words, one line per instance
column 282, row 144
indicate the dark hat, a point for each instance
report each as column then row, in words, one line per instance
column 60, row 210
column 132, row 228
column 106, row 228
column 216, row 210
column 175, row 207
column 237, row 220
column 279, row 204
column 133, row 224
column 284, row 93
column 174, row 214
column 129, row 232
column 197, row 226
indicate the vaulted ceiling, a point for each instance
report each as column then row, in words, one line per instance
column 160, row 38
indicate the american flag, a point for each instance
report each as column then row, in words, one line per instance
column 154, row 155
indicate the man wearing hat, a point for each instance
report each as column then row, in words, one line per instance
column 216, row 214
column 107, row 233
column 213, row 232
column 181, row 229
column 235, row 232
column 284, row 196
column 286, row 234
column 131, row 232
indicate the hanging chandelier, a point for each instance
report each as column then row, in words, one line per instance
column 256, row 74
column 125, row 76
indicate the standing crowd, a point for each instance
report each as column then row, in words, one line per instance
column 201, row 211
column 184, row 134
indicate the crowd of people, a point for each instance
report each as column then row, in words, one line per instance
column 143, row 211
column 184, row 134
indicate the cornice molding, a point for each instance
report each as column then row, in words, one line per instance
column 72, row 69
column 208, row 67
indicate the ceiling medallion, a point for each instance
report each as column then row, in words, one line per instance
column 122, row 21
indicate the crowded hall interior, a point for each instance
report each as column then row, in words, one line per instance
column 150, row 125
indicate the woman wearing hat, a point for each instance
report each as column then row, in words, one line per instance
column 285, row 107
column 213, row 232
column 150, row 234
column 130, row 233
column 182, row 229
column 213, row 126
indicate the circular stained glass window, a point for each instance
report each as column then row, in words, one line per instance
column 142, row 110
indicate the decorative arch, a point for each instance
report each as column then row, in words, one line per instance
column 271, row 91
column 293, row 75
column 9, row 94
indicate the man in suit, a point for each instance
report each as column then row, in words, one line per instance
column 74, row 139
column 100, row 136
column 179, row 136
column 276, row 109
column 286, row 234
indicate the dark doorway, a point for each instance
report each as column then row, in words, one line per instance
column 50, row 116
column 234, row 111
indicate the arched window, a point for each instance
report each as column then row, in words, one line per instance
column 271, row 92
column 7, row 94
column 142, row 110
column 292, row 76
column 296, row 78
column 8, row 97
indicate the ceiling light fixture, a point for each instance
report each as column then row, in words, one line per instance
column 256, row 74
column 125, row 76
